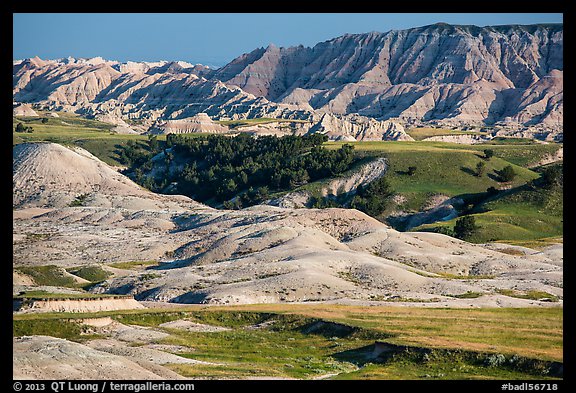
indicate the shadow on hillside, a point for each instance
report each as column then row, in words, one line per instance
column 358, row 356
column 468, row 170
column 495, row 176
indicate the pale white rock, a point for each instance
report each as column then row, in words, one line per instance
column 359, row 128
column 45, row 357
column 197, row 123
column 261, row 254
column 24, row 110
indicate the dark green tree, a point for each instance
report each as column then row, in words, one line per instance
column 262, row 193
column 20, row 127
column 488, row 154
column 552, row 177
column 229, row 187
column 507, row 174
column 480, row 168
column 153, row 143
column 373, row 198
column 412, row 170
column 256, row 166
column 465, row 227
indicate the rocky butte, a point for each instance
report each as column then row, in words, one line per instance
column 369, row 86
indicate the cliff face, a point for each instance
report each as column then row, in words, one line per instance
column 510, row 76
column 455, row 74
column 359, row 128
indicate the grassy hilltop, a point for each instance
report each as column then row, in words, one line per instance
column 517, row 214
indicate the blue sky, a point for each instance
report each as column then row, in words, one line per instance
column 212, row 39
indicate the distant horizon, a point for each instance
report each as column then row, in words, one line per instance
column 211, row 39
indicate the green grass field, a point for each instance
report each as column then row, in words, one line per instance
column 449, row 169
column 528, row 217
column 262, row 120
column 522, row 154
column 450, row 174
column 442, row 168
column 421, row 133
column 458, row 342
column 52, row 275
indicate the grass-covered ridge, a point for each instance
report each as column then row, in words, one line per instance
column 448, row 173
column 518, row 213
column 420, row 133
column 41, row 294
column 133, row 265
column 54, row 328
column 530, row 214
column 335, row 341
column 77, row 277
column 50, row 275
column 234, row 124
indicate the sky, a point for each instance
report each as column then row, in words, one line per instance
column 213, row 39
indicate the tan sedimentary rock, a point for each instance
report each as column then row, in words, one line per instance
column 510, row 76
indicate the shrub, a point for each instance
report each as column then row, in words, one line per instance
column 445, row 231
column 20, row 127
column 80, row 200
column 495, row 360
column 507, row 174
column 480, row 168
column 465, row 227
column 552, row 177
column 488, row 153
column 372, row 199
column 153, row 143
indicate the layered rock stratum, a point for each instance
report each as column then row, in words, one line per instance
column 508, row 77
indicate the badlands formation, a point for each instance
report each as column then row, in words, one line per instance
column 358, row 86
column 262, row 254
column 70, row 209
